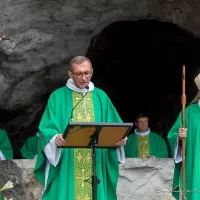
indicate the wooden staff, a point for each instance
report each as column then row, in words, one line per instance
column 183, row 102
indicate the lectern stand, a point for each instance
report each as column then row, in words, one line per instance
column 95, row 135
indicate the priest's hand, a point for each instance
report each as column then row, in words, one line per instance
column 182, row 132
column 60, row 141
column 151, row 156
column 122, row 142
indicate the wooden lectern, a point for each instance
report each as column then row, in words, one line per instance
column 95, row 135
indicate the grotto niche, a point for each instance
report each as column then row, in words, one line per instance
column 139, row 65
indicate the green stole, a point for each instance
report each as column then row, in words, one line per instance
column 143, row 146
column 82, row 156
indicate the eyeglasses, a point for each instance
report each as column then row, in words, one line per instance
column 80, row 75
column 142, row 122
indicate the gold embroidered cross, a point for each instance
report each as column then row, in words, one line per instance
column 82, row 177
column 79, row 157
column 83, row 198
column 86, row 197
column 88, row 157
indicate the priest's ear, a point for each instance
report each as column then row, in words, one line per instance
column 136, row 124
column 70, row 74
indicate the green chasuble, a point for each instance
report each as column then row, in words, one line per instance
column 66, row 180
column 192, row 153
column 5, row 145
column 144, row 146
column 30, row 147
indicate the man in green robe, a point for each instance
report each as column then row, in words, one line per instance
column 6, row 152
column 63, row 171
column 144, row 143
column 192, row 150
column 30, row 147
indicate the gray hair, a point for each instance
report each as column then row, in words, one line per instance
column 78, row 60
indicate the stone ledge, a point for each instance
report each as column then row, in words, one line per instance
column 139, row 179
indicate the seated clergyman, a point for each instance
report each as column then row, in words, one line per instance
column 144, row 143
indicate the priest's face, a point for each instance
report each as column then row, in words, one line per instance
column 81, row 74
column 142, row 124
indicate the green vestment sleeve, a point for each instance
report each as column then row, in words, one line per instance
column 48, row 128
column 172, row 138
column 158, row 146
column 30, row 147
column 5, row 145
column 173, row 134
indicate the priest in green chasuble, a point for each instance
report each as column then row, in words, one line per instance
column 144, row 143
column 6, row 151
column 192, row 150
column 63, row 171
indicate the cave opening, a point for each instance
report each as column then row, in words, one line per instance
column 139, row 65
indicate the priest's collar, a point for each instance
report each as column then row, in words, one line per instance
column 70, row 84
column 142, row 133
